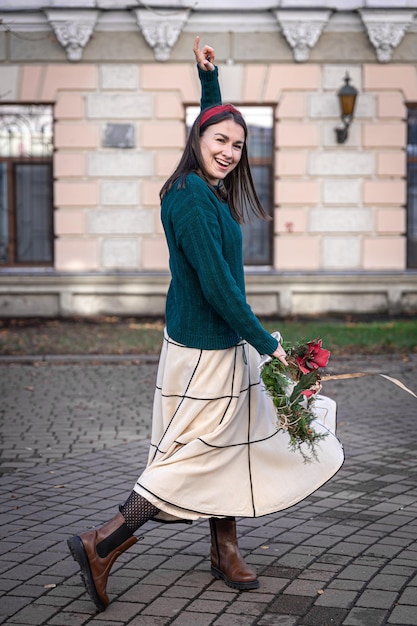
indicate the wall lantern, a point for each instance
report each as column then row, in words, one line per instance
column 347, row 98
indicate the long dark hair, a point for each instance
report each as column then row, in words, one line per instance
column 237, row 188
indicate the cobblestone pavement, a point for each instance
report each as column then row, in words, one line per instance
column 73, row 439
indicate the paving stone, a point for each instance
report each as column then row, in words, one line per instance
column 347, row 548
column 281, row 572
column 365, row 617
column 320, row 616
column 409, row 596
column 403, row 615
column 124, row 611
column 391, row 568
column 187, row 618
column 164, row 606
column 237, row 620
column 303, row 588
column 103, row 622
column 336, row 598
column 247, row 607
column 143, row 593
column 207, row 606
column 273, row 619
column 24, row 572
column 358, row 572
column 290, row 604
column 377, row 599
column 33, row 615
column 387, row 582
column 68, row 619
column 10, row 604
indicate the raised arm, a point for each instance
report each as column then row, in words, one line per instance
column 208, row 74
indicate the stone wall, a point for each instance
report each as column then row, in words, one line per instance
column 338, row 207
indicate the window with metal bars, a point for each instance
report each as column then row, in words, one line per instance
column 26, row 205
column 412, row 187
column 257, row 234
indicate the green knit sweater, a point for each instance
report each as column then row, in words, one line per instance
column 206, row 303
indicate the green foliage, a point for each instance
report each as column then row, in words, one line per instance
column 294, row 411
column 306, row 381
column 345, row 337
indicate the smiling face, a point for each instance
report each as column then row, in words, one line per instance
column 221, row 148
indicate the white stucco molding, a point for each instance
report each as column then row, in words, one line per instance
column 386, row 29
column 161, row 29
column 302, row 30
column 208, row 5
column 73, row 29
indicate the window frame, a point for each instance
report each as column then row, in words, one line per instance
column 12, row 230
column 411, row 243
column 11, row 160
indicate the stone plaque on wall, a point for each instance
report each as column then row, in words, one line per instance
column 119, row 136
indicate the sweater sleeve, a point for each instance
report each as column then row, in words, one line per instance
column 200, row 238
column 210, row 88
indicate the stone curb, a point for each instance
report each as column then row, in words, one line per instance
column 79, row 358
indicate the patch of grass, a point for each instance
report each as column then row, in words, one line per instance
column 370, row 337
column 114, row 335
column 107, row 335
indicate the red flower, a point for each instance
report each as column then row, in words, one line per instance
column 308, row 393
column 315, row 357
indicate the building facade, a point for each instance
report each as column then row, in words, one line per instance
column 94, row 101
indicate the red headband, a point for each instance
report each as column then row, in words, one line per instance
column 220, row 108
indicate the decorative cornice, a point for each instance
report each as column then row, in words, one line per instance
column 386, row 29
column 73, row 29
column 161, row 29
column 302, row 30
column 207, row 5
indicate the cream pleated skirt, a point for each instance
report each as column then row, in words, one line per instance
column 215, row 447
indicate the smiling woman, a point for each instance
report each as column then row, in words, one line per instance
column 216, row 451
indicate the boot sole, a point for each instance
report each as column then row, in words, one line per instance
column 243, row 586
column 79, row 554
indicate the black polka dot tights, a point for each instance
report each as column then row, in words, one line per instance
column 137, row 510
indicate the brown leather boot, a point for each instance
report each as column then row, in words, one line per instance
column 95, row 552
column 226, row 559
